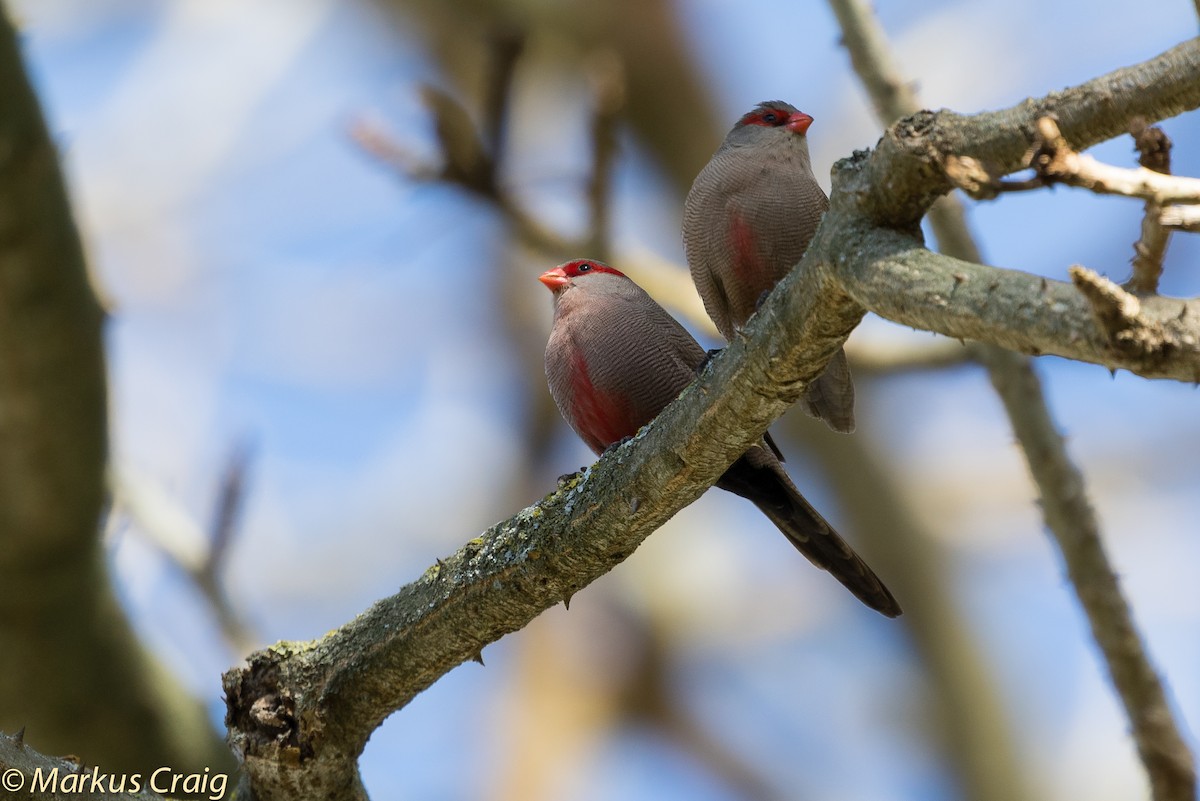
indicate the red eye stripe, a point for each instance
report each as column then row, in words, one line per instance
column 768, row 117
column 574, row 269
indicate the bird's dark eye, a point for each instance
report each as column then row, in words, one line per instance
column 771, row 117
column 583, row 268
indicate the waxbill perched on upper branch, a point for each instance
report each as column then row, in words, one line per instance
column 616, row 358
column 747, row 220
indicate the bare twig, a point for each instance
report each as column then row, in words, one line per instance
column 871, row 56
column 228, row 508
column 1182, row 218
column 209, row 577
column 1154, row 149
column 465, row 163
column 466, row 159
column 170, row 528
column 1055, row 161
column 376, row 142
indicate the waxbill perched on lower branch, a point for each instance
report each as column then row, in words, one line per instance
column 615, row 359
column 750, row 215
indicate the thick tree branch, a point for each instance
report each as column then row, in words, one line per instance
column 300, row 714
column 1068, row 514
column 893, row 275
column 71, row 668
column 26, row 775
column 907, row 170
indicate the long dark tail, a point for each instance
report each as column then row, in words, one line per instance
column 831, row 396
column 758, row 477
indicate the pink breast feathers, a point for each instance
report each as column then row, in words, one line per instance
column 748, row 263
column 601, row 418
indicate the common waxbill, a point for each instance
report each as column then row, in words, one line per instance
column 748, row 219
column 615, row 359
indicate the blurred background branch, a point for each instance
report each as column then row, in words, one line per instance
column 202, row 556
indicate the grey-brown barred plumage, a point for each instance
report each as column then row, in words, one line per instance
column 748, row 219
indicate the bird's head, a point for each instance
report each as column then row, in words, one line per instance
column 769, row 123
column 568, row 274
column 777, row 114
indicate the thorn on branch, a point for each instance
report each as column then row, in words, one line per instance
column 478, row 657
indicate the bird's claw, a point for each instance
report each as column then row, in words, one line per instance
column 567, row 478
column 615, row 445
column 708, row 357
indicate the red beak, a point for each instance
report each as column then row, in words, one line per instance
column 799, row 122
column 554, row 279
